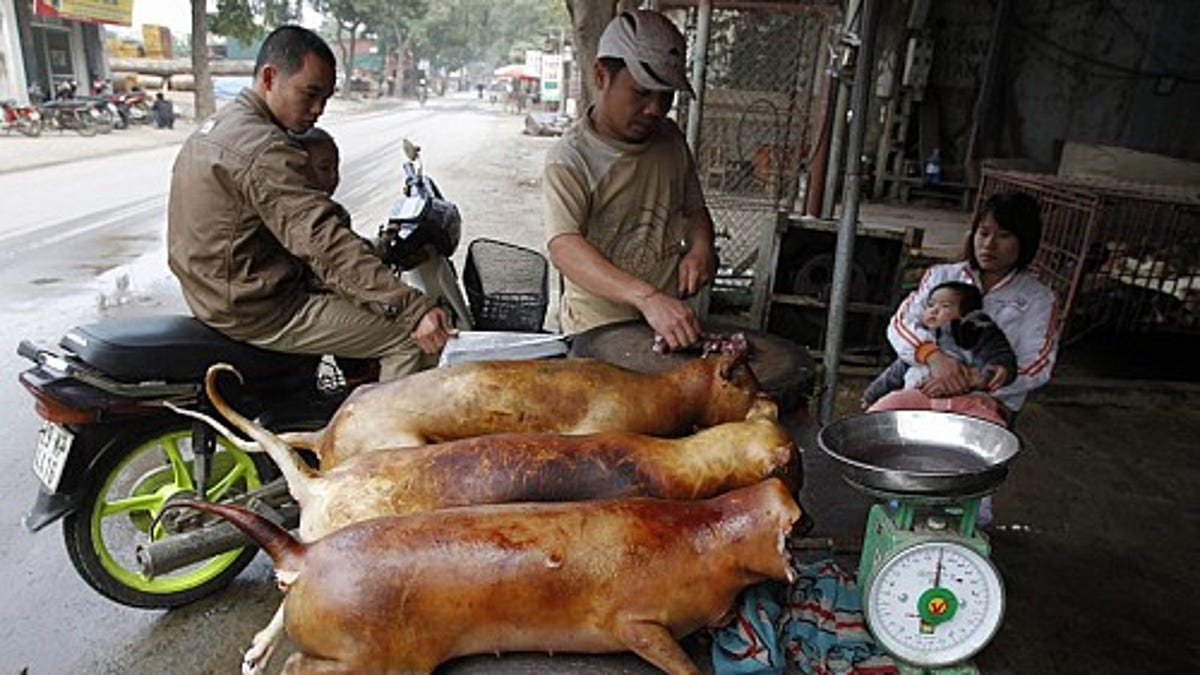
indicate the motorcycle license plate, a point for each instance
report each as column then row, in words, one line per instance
column 53, row 447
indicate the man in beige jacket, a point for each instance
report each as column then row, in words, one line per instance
column 245, row 223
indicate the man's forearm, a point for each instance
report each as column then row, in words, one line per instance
column 700, row 229
column 580, row 262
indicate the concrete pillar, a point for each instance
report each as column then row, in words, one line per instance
column 12, row 64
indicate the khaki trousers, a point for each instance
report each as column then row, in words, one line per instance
column 330, row 324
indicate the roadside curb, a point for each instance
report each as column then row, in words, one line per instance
column 45, row 151
column 19, row 153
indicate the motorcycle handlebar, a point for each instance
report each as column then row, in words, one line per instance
column 29, row 350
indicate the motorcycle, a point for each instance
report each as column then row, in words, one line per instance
column 418, row 253
column 79, row 116
column 105, row 113
column 110, row 455
column 133, row 107
column 25, row 119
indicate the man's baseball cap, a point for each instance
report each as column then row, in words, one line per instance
column 652, row 47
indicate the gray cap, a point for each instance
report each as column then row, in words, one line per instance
column 652, row 47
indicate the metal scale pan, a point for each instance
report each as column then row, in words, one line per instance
column 919, row 452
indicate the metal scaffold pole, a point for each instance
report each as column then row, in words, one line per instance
column 848, row 223
column 699, row 69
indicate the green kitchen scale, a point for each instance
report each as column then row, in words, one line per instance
column 931, row 596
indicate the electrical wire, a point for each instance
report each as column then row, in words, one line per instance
column 1186, row 58
column 1080, row 57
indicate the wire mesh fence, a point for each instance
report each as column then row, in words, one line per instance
column 759, row 118
column 1120, row 255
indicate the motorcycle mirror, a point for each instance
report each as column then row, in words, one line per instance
column 411, row 150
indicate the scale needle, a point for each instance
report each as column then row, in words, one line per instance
column 937, row 577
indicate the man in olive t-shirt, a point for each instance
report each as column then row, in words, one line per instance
column 626, row 223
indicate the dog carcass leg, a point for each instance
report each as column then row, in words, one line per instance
column 304, row 664
column 654, row 642
column 255, row 660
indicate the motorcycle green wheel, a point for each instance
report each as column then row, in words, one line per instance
column 116, row 510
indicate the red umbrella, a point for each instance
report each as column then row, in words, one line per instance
column 517, row 71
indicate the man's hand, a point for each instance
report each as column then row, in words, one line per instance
column 671, row 318
column 433, row 331
column 696, row 269
column 947, row 377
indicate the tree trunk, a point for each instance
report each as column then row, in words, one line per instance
column 384, row 46
column 402, row 62
column 588, row 19
column 203, row 95
column 341, row 50
column 349, row 81
column 35, row 69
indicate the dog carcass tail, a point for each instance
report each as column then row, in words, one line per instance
column 307, row 440
column 295, row 470
column 286, row 551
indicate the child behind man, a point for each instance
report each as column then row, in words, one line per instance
column 323, row 159
column 954, row 313
column 325, row 174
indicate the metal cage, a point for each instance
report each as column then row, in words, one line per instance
column 1125, row 256
column 759, row 112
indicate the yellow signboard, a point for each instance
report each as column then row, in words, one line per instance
column 118, row 12
column 157, row 41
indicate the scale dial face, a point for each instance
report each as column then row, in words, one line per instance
column 935, row 603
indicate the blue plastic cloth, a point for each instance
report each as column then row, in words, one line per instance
column 813, row 625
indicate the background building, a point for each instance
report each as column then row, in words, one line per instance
column 47, row 42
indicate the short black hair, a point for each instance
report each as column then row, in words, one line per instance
column 286, row 46
column 612, row 64
column 1015, row 212
column 969, row 297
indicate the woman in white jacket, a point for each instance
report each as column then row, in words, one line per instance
column 1003, row 242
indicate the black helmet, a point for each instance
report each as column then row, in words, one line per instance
column 406, row 242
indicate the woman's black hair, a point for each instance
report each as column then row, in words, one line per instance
column 1015, row 212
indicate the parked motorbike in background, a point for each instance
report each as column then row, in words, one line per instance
column 78, row 116
column 86, row 115
column 129, row 107
column 110, row 455
column 24, row 118
column 134, row 106
column 105, row 113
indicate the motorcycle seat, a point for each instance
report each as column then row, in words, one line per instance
column 173, row 348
